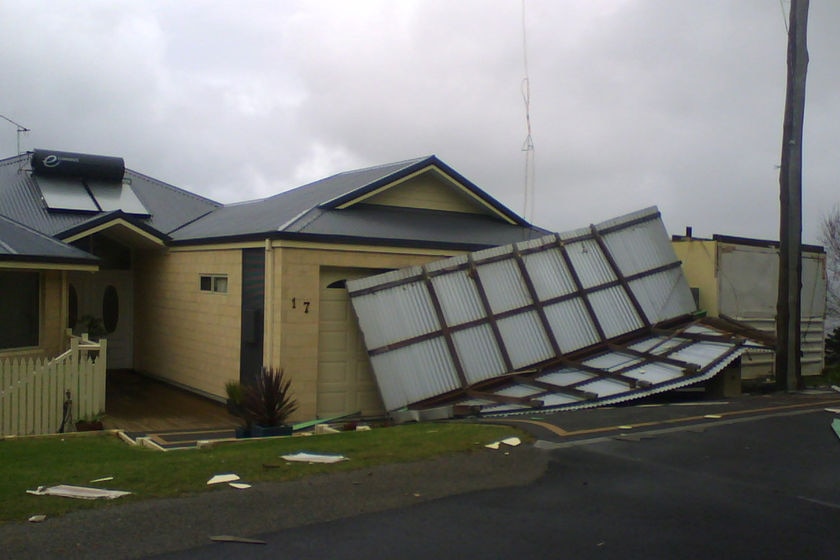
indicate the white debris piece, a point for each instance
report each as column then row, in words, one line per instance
column 239, row 485
column 511, row 441
column 304, row 457
column 81, row 492
column 220, row 478
column 103, row 479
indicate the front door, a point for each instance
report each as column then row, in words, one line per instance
column 107, row 296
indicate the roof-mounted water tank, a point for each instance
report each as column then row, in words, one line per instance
column 52, row 163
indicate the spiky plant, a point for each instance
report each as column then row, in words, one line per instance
column 268, row 401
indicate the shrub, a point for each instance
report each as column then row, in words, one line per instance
column 268, row 401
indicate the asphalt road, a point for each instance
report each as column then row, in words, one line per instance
column 765, row 485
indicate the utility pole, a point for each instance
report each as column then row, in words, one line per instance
column 789, row 304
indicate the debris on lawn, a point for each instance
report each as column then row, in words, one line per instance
column 321, row 429
column 235, row 539
column 833, row 410
column 511, row 441
column 305, row 457
column 836, row 388
column 231, row 479
column 37, row 518
column 301, row 426
column 221, row 478
column 713, row 416
column 81, row 492
column 103, row 479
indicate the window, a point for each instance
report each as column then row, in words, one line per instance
column 110, row 309
column 214, row 283
column 19, row 309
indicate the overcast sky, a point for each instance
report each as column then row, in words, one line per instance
column 674, row 103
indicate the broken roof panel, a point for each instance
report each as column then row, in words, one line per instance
column 456, row 324
column 677, row 357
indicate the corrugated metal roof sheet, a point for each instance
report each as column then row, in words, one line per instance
column 18, row 242
column 457, row 324
column 312, row 210
column 652, row 364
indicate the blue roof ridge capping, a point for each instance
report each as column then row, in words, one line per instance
column 497, row 329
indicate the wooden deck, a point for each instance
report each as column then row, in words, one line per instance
column 136, row 403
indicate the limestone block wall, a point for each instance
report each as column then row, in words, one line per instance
column 182, row 334
column 54, row 312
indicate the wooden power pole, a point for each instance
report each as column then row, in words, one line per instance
column 789, row 304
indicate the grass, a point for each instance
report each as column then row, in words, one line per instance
column 26, row 463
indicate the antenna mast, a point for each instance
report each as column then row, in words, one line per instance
column 528, row 145
column 20, row 129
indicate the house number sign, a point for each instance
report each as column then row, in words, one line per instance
column 304, row 304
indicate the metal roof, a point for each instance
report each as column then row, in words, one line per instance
column 450, row 326
column 321, row 209
column 20, row 243
column 20, row 200
column 328, row 210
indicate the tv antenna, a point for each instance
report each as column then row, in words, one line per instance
column 20, row 129
column 528, row 144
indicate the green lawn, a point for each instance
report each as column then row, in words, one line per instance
column 26, row 463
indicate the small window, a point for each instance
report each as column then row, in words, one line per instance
column 214, row 283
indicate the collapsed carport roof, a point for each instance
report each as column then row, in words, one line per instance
column 593, row 316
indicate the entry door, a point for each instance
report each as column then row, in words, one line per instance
column 108, row 295
column 345, row 378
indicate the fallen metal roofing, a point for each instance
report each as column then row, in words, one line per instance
column 567, row 320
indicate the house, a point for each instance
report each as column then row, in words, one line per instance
column 738, row 277
column 197, row 293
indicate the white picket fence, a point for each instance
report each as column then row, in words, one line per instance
column 33, row 391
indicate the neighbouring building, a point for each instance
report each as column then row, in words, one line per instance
column 738, row 277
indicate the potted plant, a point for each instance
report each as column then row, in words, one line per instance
column 235, row 396
column 268, row 402
column 90, row 424
column 90, row 325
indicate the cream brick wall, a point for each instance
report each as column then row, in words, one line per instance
column 182, row 334
column 699, row 264
column 294, row 342
column 192, row 338
column 53, row 312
